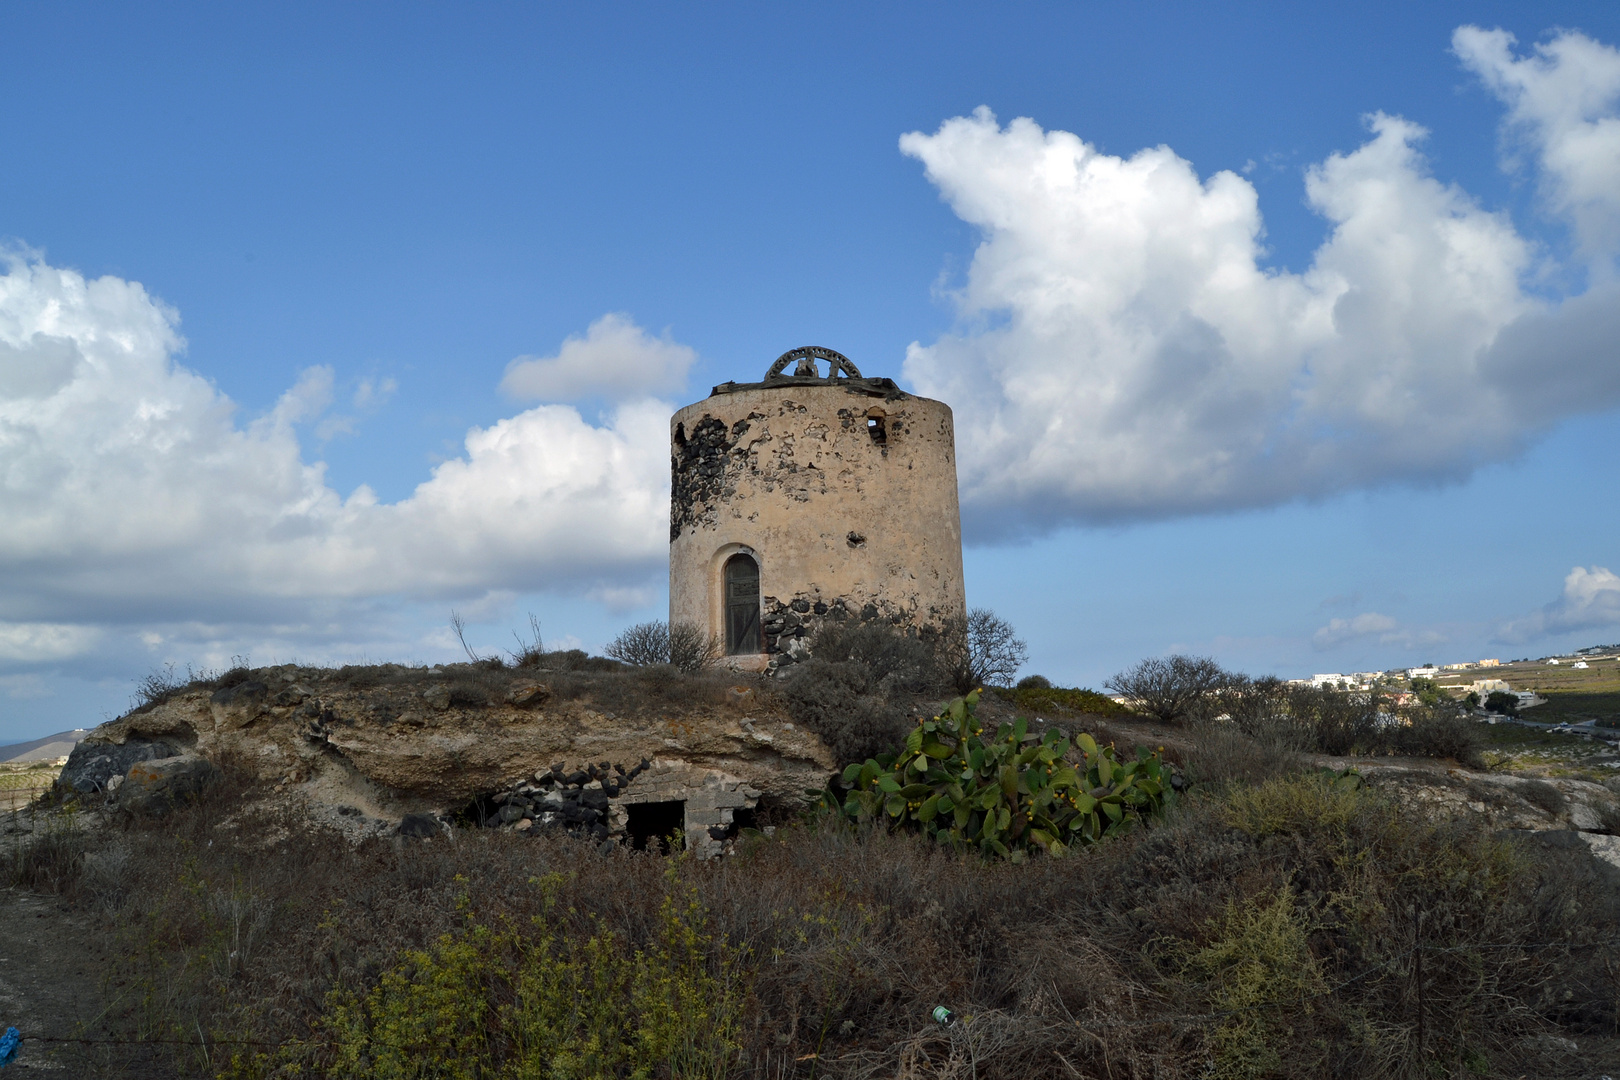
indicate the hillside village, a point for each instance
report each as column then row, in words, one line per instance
column 1528, row 680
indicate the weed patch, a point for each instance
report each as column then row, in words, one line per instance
column 1259, row 969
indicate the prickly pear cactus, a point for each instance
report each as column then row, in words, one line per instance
column 1006, row 793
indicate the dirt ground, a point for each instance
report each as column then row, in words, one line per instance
column 50, row 990
column 53, row 984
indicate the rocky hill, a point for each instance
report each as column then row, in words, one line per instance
column 365, row 746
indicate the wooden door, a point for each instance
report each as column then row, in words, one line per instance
column 742, row 605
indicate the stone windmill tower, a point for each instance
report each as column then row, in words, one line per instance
column 803, row 497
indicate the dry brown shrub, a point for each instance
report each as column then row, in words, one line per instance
column 1069, row 966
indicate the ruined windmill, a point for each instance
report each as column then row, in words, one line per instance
column 804, row 497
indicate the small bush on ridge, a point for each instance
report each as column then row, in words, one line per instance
column 980, row 650
column 1171, row 688
column 897, row 661
column 680, row 645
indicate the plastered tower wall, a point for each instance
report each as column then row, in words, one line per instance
column 842, row 489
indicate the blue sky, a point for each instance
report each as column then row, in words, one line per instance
column 1206, row 406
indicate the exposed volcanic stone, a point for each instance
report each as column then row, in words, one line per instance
column 243, row 692
column 92, row 764
column 155, row 787
column 529, row 695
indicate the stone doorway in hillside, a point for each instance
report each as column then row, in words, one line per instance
column 652, row 825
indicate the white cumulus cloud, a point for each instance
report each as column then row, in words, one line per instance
column 133, row 496
column 44, row 641
column 616, row 359
column 1339, row 631
column 1591, row 599
column 1122, row 353
column 1382, row 628
column 1561, row 101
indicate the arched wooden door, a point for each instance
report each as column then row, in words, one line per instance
column 742, row 605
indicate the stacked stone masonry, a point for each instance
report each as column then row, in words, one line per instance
column 842, row 490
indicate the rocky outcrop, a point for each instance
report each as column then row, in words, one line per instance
column 97, row 764
column 155, row 787
column 383, row 742
column 1505, row 801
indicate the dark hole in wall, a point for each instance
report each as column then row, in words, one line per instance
column 744, row 818
column 653, row 825
column 479, row 809
column 875, row 428
column 680, row 435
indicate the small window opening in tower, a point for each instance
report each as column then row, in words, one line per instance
column 741, row 581
column 876, row 427
column 680, row 436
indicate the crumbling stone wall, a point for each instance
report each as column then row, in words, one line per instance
column 843, row 491
column 593, row 802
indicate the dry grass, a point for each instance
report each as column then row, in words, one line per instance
column 1106, row 964
column 1160, row 955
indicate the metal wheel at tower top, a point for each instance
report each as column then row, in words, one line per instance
column 807, row 355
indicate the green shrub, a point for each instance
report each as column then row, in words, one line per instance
column 1044, row 696
column 1439, row 733
column 1324, row 802
column 1429, row 692
column 844, row 706
column 1336, row 722
column 897, row 661
column 549, row 1001
column 1006, row 794
column 1258, row 969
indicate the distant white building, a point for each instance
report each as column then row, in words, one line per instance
column 1422, row 672
column 1579, row 664
column 1486, row 687
column 1331, row 679
column 1490, row 663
